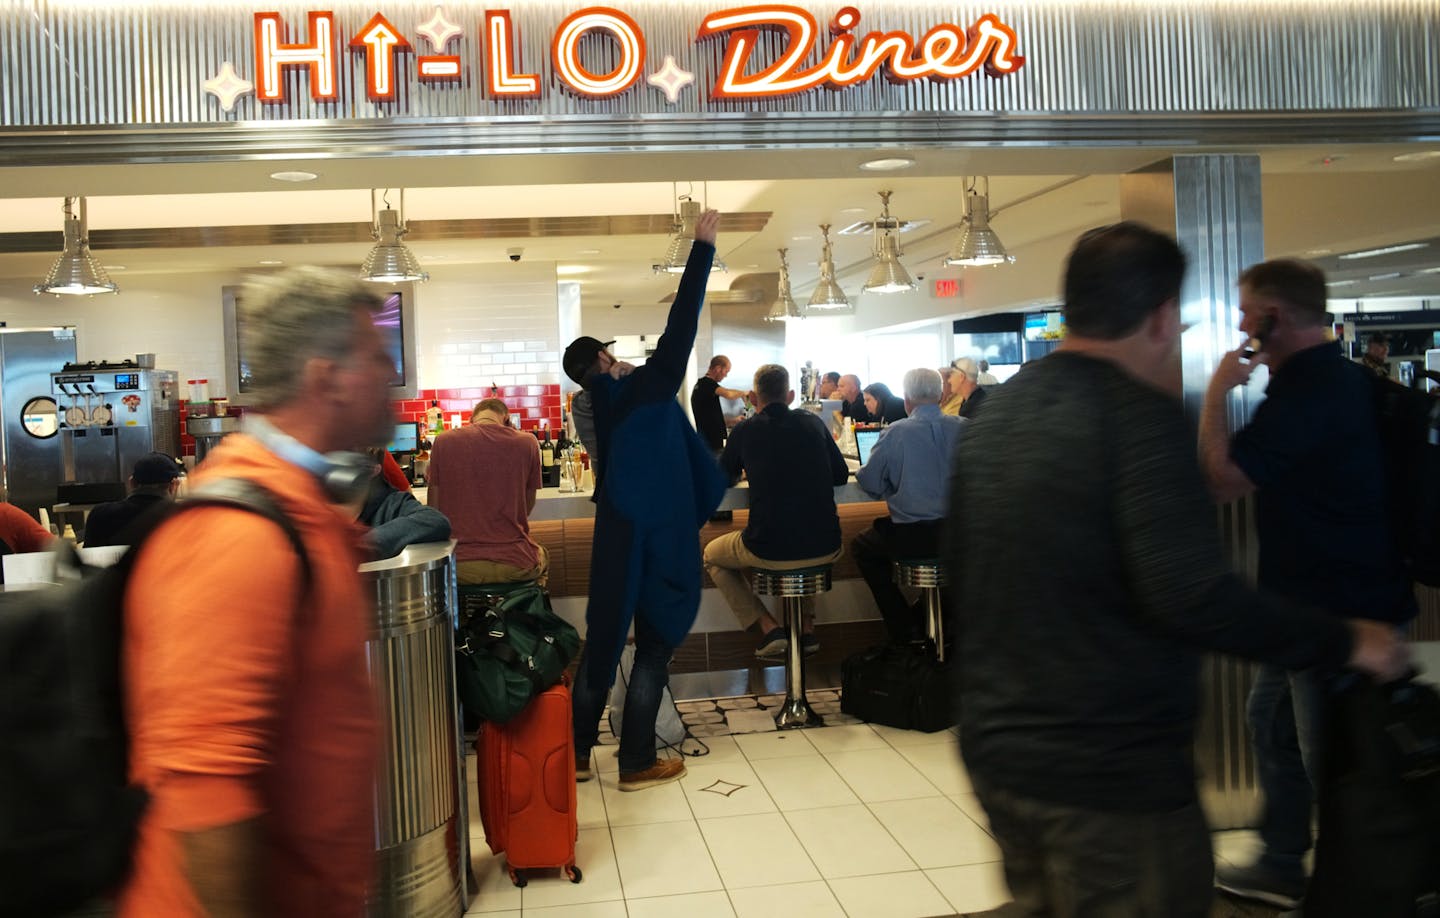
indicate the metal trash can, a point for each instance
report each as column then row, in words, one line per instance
column 421, row 833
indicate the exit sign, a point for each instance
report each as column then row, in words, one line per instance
column 947, row 287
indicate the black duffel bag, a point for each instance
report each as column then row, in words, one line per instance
column 510, row 647
column 898, row 685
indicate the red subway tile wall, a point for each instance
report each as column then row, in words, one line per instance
column 531, row 404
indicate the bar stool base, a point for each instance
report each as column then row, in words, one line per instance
column 796, row 714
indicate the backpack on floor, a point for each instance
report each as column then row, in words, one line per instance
column 1409, row 422
column 68, row 814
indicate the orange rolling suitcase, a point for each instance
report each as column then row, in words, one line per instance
column 525, row 774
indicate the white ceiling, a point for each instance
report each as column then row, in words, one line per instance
column 1039, row 193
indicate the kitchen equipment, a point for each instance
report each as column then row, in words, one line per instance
column 209, row 431
column 111, row 415
column 29, row 441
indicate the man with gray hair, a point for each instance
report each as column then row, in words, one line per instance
column 247, row 698
column 792, row 464
column 909, row 469
column 965, row 386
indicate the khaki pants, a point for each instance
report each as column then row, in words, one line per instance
column 726, row 559
column 474, row 573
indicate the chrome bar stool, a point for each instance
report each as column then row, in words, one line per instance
column 792, row 587
column 928, row 576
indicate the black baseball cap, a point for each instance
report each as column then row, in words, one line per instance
column 580, row 356
column 155, row 469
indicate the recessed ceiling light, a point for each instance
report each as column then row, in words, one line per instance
column 855, row 210
column 801, row 238
column 1345, row 283
column 1419, row 156
column 270, row 261
column 294, row 176
column 1428, row 271
column 432, row 257
column 114, row 267
column 887, row 164
column 1387, row 276
column 588, row 252
column 1316, row 253
column 1387, row 250
column 572, row 269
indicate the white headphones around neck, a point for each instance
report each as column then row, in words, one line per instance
column 344, row 475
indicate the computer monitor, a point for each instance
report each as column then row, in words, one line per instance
column 405, row 439
column 864, row 443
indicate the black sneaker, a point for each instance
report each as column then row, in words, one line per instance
column 1262, row 884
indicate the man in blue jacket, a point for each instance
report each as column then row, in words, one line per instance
column 657, row 485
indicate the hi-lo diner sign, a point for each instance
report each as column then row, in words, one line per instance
column 947, row 51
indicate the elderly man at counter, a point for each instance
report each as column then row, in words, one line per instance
column 792, row 464
column 657, row 485
column 484, row 477
column 910, row 470
column 965, row 388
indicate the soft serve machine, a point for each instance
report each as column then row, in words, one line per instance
column 111, row 414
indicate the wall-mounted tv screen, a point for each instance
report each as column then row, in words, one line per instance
column 395, row 320
column 1044, row 326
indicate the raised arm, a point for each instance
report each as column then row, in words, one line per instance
column 663, row 373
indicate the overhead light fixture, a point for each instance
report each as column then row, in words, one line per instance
column 390, row 260
column 888, row 275
column 294, row 176
column 1387, row 250
column 887, row 164
column 784, row 309
column 682, row 238
column 828, row 299
column 75, row 272
column 1418, row 156
column 978, row 245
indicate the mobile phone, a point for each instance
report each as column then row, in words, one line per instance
column 1263, row 329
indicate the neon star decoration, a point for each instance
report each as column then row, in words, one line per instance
column 439, row 31
column 670, row 79
column 228, row 86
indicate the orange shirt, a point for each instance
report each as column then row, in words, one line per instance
column 244, row 700
column 19, row 530
column 481, row 477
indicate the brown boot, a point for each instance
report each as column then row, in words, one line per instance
column 662, row 772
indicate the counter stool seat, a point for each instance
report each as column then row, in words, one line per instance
column 792, row 587
column 929, row 576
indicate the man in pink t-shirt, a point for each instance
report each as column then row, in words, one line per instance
column 484, row 478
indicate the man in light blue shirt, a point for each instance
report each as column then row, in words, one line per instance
column 910, row 469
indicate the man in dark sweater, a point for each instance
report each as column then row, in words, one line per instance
column 705, row 403
column 793, row 465
column 1325, row 545
column 153, row 480
column 1083, row 609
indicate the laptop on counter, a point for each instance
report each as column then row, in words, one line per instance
column 865, row 443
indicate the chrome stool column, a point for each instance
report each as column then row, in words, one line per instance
column 928, row 576
column 792, row 587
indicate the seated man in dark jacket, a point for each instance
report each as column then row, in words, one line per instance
column 396, row 519
column 153, row 480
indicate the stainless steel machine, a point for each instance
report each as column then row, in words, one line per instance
column 111, row 414
column 30, row 434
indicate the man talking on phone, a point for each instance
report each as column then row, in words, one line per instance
column 1312, row 456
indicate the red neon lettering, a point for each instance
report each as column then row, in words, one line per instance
column 272, row 56
column 501, row 80
column 565, row 57
column 380, row 41
column 945, row 52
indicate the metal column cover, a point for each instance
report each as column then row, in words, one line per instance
column 1213, row 206
column 421, row 848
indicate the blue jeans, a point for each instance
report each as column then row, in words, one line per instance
column 1287, row 723
column 648, row 679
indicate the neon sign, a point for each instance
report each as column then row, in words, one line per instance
column 947, row 51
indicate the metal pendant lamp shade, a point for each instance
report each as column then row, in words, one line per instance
column 978, row 245
column 75, row 272
column 888, row 275
column 681, row 240
column 828, row 299
column 785, row 308
column 391, row 261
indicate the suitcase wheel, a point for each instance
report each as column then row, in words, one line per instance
column 573, row 873
column 518, row 878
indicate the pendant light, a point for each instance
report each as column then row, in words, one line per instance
column 828, row 299
column 75, row 271
column 682, row 238
column 888, row 275
column 390, row 260
column 784, row 309
column 978, row 245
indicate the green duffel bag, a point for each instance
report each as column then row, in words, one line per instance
column 510, row 647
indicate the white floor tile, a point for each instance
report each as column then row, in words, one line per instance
column 894, row 895
column 935, row 833
column 845, row 739
column 970, row 805
column 691, row 905
column 750, row 721
column 600, row 878
column 848, row 841
column 880, row 774
column 723, row 749
column 733, row 790
column 589, row 804
column 495, row 892
column 476, row 909
column 940, row 764
column 665, row 803
column 587, row 910
column 897, row 737
column 774, row 745
column 803, row 782
column 663, row 859
column 756, row 850
column 795, row 900
column 972, row 887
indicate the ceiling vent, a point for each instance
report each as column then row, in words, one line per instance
column 866, row 227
